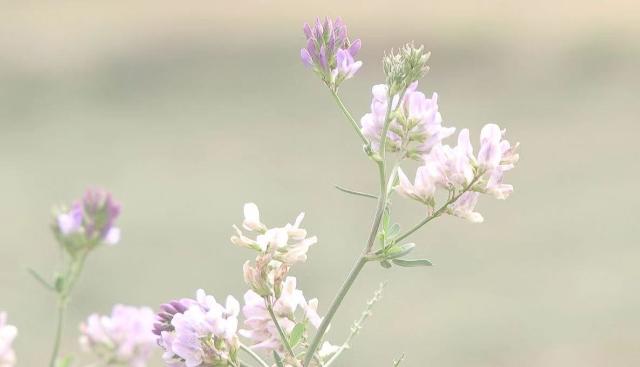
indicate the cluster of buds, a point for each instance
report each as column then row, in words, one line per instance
column 88, row 222
column 463, row 174
column 7, row 335
column 278, row 249
column 415, row 124
column 330, row 52
column 259, row 325
column 404, row 67
column 123, row 338
column 199, row 332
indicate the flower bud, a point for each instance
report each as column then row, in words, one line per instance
column 258, row 277
column 88, row 222
column 404, row 67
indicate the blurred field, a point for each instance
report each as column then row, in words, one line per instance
column 187, row 110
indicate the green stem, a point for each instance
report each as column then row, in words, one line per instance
column 283, row 336
column 334, row 308
column 353, row 192
column 70, row 279
column 373, row 234
column 440, row 211
column 253, row 355
column 346, row 112
column 357, row 325
column 58, row 336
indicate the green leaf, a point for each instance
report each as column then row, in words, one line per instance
column 385, row 264
column 397, row 251
column 386, row 219
column 64, row 362
column 412, row 263
column 296, row 334
column 277, row 358
column 393, row 231
column 41, row 279
column 59, row 283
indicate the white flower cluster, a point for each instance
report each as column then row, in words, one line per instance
column 7, row 335
column 288, row 244
column 278, row 248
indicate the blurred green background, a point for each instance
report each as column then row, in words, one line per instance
column 187, row 110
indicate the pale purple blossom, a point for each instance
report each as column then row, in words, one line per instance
column 71, row 221
column 417, row 127
column 422, row 189
column 124, row 337
column 200, row 332
column 457, row 169
column 464, row 207
column 329, row 51
column 90, row 221
column 260, row 328
column 7, row 335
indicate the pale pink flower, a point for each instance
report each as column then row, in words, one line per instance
column 417, row 129
column 258, row 325
column 124, row 337
column 424, row 186
column 464, row 207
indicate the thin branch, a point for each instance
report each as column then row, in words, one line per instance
column 357, row 326
column 442, row 209
column 397, row 362
column 283, row 336
column 41, row 279
column 253, row 355
column 346, row 112
column 244, row 364
column 353, row 192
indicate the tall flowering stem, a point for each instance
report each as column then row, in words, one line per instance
column 404, row 121
column 283, row 336
column 84, row 226
column 443, row 209
column 379, row 158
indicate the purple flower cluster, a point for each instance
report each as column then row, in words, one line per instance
column 457, row 169
column 261, row 329
column 123, row 338
column 415, row 127
column 89, row 222
column 198, row 332
column 330, row 52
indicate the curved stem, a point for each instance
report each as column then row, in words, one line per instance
column 334, row 308
column 253, row 355
column 440, row 211
column 283, row 336
column 346, row 112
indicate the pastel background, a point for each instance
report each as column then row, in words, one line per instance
column 186, row 110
